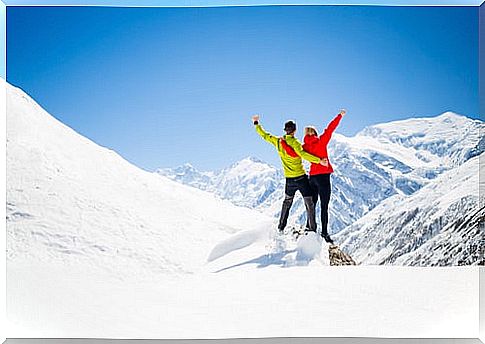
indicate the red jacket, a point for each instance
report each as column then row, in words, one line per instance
column 317, row 145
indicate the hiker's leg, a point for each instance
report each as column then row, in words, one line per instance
column 306, row 192
column 290, row 190
column 314, row 188
column 325, row 190
column 310, row 213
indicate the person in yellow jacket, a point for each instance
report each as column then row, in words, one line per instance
column 291, row 153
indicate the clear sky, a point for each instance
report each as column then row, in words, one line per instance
column 164, row 86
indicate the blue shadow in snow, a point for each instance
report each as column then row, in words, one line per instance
column 263, row 261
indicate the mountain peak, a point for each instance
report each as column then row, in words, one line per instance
column 451, row 114
column 252, row 159
column 419, row 119
column 187, row 166
column 249, row 163
column 442, row 125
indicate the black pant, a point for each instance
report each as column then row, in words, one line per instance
column 292, row 186
column 321, row 188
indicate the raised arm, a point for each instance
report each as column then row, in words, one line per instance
column 296, row 145
column 264, row 134
column 327, row 134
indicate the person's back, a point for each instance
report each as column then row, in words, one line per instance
column 317, row 145
column 320, row 175
column 296, row 178
column 292, row 162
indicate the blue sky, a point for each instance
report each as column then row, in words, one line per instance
column 164, row 86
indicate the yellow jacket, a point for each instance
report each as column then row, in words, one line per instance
column 292, row 166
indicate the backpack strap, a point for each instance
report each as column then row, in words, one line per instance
column 288, row 149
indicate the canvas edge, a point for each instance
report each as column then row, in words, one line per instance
column 3, row 106
column 3, row 319
column 481, row 187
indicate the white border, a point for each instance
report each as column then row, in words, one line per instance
column 476, row 276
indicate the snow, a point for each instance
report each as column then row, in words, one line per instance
column 264, row 247
column 239, row 241
column 309, row 247
column 267, row 302
column 366, row 144
column 400, row 228
column 97, row 247
column 70, row 200
column 246, row 183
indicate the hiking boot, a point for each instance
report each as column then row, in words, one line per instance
column 327, row 238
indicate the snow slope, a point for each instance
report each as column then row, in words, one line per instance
column 268, row 301
column 434, row 226
column 72, row 201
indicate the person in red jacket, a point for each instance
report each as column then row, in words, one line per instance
column 319, row 174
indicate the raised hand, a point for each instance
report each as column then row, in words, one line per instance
column 342, row 112
column 255, row 118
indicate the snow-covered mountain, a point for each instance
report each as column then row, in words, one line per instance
column 396, row 158
column 248, row 183
column 71, row 201
column 437, row 225
column 399, row 157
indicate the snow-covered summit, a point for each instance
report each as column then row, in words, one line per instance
column 451, row 137
column 248, row 182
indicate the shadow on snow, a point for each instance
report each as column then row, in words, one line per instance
column 269, row 259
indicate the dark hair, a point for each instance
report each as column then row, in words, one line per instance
column 290, row 127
